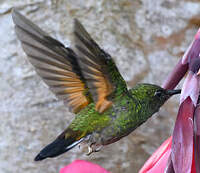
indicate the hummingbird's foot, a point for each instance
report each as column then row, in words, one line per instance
column 92, row 148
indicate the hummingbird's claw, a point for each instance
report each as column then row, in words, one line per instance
column 93, row 149
column 98, row 149
column 90, row 151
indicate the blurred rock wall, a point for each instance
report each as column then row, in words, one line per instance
column 145, row 37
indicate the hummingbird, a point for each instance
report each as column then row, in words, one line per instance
column 90, row 85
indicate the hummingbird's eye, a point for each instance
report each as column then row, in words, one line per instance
column 158, row 93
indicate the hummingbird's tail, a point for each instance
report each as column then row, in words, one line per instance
column 59, row 146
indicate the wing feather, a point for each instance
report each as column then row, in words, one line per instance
column 97, row 67
column 56, row 64
column 72, row 78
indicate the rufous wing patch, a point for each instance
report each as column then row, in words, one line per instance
column 93, row 64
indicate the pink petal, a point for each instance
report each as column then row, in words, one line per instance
column 81, row 166
column 185, row 56
column 193, row 165
column 193, row 50
column 169, row 168
column 194, row 65
column 191, row 88
column 182, row 143
column 160, row 166
column 197, row 138
column 176, row 75
column 159, row 158
column 197, row 36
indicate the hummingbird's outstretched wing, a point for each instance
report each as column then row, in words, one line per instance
column 56, row 64
column 101, row 74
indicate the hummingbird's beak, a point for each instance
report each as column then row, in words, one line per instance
column 173, row 92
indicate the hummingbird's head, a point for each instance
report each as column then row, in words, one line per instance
column 152, row 95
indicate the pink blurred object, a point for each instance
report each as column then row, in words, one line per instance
column 158, row 161
column 81, row 166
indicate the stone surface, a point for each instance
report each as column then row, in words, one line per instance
column 145, row 38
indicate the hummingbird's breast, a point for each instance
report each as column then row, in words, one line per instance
column 123, row 120
column 126, row 114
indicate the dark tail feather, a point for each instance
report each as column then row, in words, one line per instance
column 57, row 147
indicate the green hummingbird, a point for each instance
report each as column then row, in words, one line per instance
column 91, row 86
